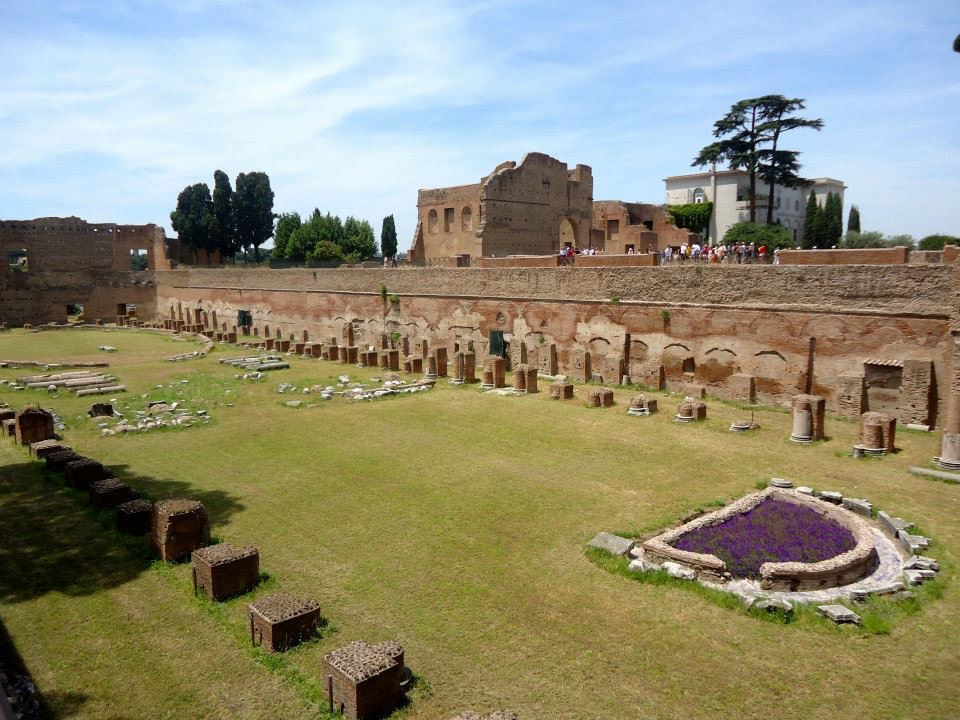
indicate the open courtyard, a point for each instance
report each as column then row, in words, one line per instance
column 454, row 521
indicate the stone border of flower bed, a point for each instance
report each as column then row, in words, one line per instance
column 789, row 576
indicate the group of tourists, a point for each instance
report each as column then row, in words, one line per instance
column 741, row 253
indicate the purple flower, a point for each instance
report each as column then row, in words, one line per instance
column 773, row 531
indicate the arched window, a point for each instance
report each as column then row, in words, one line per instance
column 433, row 222
column 699, row 196
column 466, row 218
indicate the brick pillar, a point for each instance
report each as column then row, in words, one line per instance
column 950, row 445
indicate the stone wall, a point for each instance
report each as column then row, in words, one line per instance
column 864, row 256
column 701, row 324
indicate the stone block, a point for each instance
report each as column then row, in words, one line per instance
column 41, row 449
column 851, row 394
column 913, row 544
column 581, row 365
column 531, row 379
column 280, row 621
column 58, row 460
column 859, row 506
column 34, row 424
column 817, row 407
column 877, row 431
column 520, row 378
column 368, row 681
column 780, row 483
column 469, row 366
column 223, row 571
column 916, row 392
column 831, row 497
column 82, row 472
column 110, row 492
column 440, row 353
column 134, row 517
column 693, row 390
column 600, row 397
column 179, row 527
column 892, row 525
column 547, row 359
column 743, row 388
column 677, row 570
column 612, row 369
column 839, row 614
column 613, row 544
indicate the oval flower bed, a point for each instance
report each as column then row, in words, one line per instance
column 794, row 543
column 772, row 531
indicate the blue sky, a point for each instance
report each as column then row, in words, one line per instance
column 109, row 108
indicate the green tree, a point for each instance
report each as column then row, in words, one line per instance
column 956, row 44
column 224, row 233
column 773, row 236
column 853, row 222
column 777, row 166
column 193, row 220
column 822, row 224
column 937, row 241
column 253, row 203
column 739, row 144
column 388, row 237
column 834, row 213
column 810, row 221
column 325, row 252
column 286, row 224
column 359, row 242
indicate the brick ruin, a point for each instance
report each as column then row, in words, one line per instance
column 535, row 208
column 881, row 337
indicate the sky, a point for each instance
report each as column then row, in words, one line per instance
column 109, row 108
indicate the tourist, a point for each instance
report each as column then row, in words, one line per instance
column 776, row 256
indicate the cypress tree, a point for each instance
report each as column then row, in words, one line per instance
column 810, row 221
column 853, row 222
column 836, row 220
column 388, row 237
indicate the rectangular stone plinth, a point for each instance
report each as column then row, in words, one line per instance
column 34, row 425
column 82, row 472
column 58, row 460
column 110, row 492
column 366, row 679
column 280, row 621
column 178, row 527
column 223, row 571
column 561, row 391
column 743, row 388
column 43, row 448
column 133, row 517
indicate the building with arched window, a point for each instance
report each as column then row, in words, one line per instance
column 729, row 191
column 531, row 208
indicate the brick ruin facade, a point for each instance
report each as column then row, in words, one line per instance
column 779, row 331
column 52, row 263
column 531, row 208
column 534, row 208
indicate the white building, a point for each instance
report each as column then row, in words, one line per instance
column 729, row 191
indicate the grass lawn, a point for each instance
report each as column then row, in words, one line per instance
column 455, row 522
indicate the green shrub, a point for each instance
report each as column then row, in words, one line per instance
column 773, row 236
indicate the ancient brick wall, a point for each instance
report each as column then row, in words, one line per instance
column 447, row 222
column 689, row 324
column 865, row 256
column 532, row 208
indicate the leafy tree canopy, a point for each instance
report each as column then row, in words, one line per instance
column 286, row 224
column 773, row 236
column 193, row 220
column 874, row 239
column 937, row 241
column 253, row 210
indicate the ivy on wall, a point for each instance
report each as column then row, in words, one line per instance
column 692, row 216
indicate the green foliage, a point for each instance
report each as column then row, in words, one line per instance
column 225, row 226
column 388, row 237
column 874, row 239
column 692, row 216
column 286, row 224
column 665, row 315
column 834, row 214
column 394, row 299
column 956, row 44
column 383, row 292
column 139, row 262
column 937, row 241
column 359, row 242
column 325, row 253
column 810, row 221
column 773, row 236
column 193, row 219
column 614, row 299
column 253, row 210
column 750, row 134
column 853, row 222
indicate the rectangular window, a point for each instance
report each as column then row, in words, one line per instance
column 448, row 219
